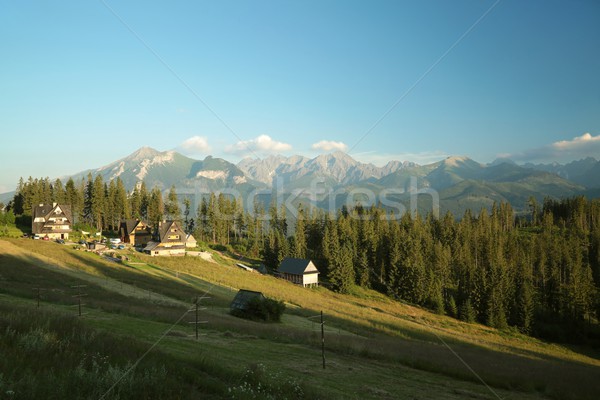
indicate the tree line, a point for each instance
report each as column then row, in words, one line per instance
column 539, row 274
column 96, row 203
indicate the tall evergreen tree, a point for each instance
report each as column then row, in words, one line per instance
column 172, row 209
column 156, row 208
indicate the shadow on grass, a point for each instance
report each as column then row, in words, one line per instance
column 530, row 372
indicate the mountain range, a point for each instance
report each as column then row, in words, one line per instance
column 460, row 182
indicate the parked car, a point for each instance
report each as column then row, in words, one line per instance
column 46, row 238
column 121, row 246
column 60, row 241
column 115, row 240
column 36, row 237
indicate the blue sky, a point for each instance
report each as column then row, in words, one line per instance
column 78, row 89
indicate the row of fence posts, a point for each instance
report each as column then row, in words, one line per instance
column 195, row 309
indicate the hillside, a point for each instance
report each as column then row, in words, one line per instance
column 375, row 348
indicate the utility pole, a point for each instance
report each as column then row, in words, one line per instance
column 79, row 295
column 196, row 309
column 38, row 295
column 323, row 339
column 322, row 335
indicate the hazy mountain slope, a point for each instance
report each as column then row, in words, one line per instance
column 164, row 169
column 161, row 169
column 336, row 167
column 585, row 172
column 453, row 170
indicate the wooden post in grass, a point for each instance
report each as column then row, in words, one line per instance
column 196, row 317
column 38, row 296
column 79, row 295
column 323, row 339
column 196, row 309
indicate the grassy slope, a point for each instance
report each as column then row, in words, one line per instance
column 377, row 348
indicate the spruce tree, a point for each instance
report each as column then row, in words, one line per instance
column 172, row 209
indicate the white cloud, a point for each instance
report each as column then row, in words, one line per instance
column 329, row 145
column 194, row 145
column 578, row 142
column 262, row 144
column 579, row 147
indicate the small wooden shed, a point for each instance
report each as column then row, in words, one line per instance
column 299, row 271
column 190, row 241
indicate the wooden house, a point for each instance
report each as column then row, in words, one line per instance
column 299, row 271
column 168, row 240
column 53, row 221
column 135, row 232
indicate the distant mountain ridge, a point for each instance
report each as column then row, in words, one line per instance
column 586, row 171
column 338, row 167
column 167, row 168
column 460, row 182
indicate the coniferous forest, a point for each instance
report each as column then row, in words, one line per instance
column 538, row 273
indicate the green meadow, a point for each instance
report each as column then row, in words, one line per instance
column 136, row 338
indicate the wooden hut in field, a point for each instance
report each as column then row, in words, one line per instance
column 299, row 271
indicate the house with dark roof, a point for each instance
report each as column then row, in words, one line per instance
column 135, row 232
column 168, row 240
column 52, row 220
column 243, row 297
column 299, row 271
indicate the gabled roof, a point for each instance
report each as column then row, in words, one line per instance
column 131, row 224
column 46, row 211
column 243, row 297
column 297, row 266
column 164, row 228
column 42, row 210
column 151, row 246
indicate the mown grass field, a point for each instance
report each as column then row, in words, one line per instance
column 375, row 347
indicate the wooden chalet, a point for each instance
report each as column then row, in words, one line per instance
column 168, row 240
column 299, row 271
column 135, row 232
column 52, row 220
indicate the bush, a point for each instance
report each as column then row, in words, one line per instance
column 257, row 309
column 220, row 247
